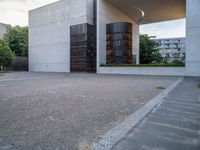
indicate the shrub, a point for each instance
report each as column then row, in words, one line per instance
column 177, row 62
column 142, row 65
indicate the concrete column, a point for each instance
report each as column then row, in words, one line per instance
column 137, row 48
column 193, row 38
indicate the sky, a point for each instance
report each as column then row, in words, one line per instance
column 167, row 29
column 15, row 12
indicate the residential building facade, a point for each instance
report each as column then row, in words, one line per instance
column 2, row 30
column 172, row 49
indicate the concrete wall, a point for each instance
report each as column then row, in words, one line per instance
column 193, row 38
column 49, row 33
column 2, row 30
column 163, row 71
column 106, row 13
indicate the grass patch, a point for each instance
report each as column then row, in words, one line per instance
column 143, row 65
column 160, row 88
column 199, row 85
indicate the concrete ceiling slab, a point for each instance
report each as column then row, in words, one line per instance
column 154, row 10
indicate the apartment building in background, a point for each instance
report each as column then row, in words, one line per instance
column 2, row 30
column 172, row 49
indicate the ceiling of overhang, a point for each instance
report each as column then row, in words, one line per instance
column 154, row 10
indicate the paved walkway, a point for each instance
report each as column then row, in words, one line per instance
column 173, row 125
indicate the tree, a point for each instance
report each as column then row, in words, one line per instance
column 17, row 39
column 148, row 50
column 6, row 55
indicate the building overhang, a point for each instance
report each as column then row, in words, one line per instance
column 151, row 11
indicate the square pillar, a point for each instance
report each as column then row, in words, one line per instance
column 192, row 37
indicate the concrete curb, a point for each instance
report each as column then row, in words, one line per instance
column 115, row 134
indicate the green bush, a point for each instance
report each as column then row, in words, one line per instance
column 177, row 62
column 6, row 55
column 199, row 85
column 143, row 65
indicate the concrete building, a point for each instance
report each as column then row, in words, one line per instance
column 172, row 49
column 52, row 49
column 2, row 30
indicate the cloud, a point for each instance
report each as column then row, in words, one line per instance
column 168, row 29
column 15, row 12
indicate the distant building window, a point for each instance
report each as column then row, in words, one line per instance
column 172, row 49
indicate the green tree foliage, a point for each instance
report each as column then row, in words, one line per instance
column 148, row 50
column 6, row 55
column 17, row 39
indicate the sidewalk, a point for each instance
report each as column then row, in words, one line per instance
column 174, row 125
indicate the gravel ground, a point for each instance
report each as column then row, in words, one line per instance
column 51, row 111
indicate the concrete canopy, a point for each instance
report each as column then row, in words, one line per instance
column 154, row 10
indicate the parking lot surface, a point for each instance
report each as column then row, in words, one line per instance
column 57, row 111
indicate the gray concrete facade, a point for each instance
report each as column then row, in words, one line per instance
column 49, row 33
column 161, row 71
column 193, row 38
column 49, row 36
